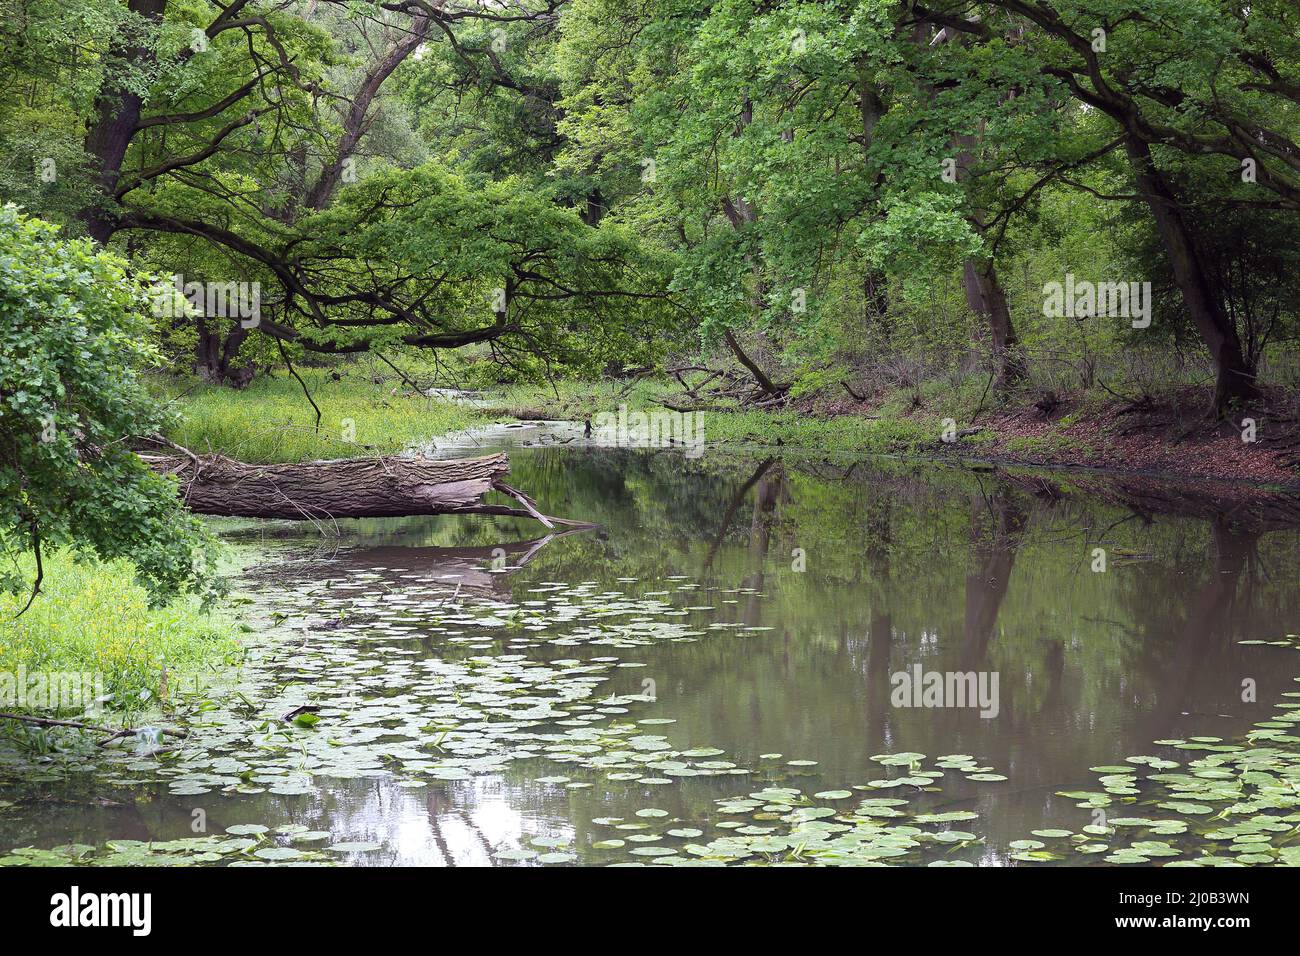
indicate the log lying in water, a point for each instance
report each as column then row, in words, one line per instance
column 346, row 488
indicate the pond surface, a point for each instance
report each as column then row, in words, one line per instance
column 713, row 676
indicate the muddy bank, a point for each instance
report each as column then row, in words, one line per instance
column 1173, row 437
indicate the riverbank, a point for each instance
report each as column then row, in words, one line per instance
column 92, row 617
column 364, row 411
column 367, row 410
column 1169, row 435
column 93, row 620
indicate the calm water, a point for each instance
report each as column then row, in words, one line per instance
column 802, row 587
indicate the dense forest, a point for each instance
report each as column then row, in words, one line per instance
column 831, row 191
column 999, row 199
column 328, row 234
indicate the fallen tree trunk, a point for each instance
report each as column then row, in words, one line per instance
column 346, row 488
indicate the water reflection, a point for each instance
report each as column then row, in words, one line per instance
column 841, row 577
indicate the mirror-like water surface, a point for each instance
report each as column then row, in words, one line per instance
column 746, row 623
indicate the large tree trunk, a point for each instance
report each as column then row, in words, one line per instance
column 985, row 296
column 357, row 122
column 1235, row 379
column 347, row 488
column 214, row 353
column 117, row 117
column 875, row 283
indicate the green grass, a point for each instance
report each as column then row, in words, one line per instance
column 573, row 400
column 271, row 420
column 900, row 427
column 1051, row 444
column 843, row 433
column 92, row 617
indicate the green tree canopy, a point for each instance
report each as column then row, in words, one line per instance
column 74, row 338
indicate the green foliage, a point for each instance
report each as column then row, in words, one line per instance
column 74, row 339
column 800, row 148
column 640, row 177
column 95, row 619
column 499, row 255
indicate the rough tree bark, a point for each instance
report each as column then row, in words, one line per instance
column 347, row 488
column 1234, row 378
column 215, row 351
column 117, row 112
column 359, row 117
column 986, row 297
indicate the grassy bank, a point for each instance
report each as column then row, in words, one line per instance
column 898, row 424
column 272, row 421
column 367, row 412
column 93, row 618
column 1166, row 431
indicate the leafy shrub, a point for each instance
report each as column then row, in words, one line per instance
column 75, row 336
